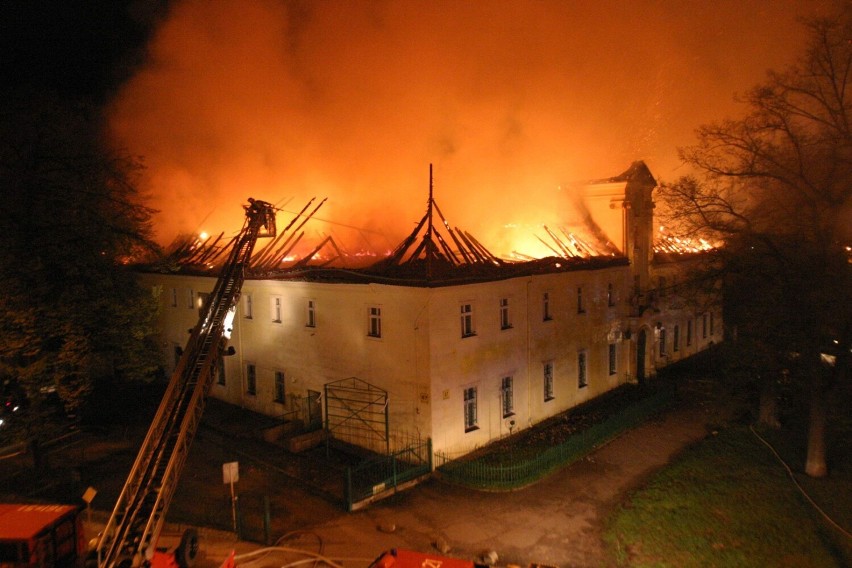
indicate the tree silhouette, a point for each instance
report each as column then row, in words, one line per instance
column 71, row 312
column 775, row 186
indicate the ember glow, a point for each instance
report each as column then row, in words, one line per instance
column 665, row 242
column 352, row 100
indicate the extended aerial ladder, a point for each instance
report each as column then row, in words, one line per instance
column 131, row 534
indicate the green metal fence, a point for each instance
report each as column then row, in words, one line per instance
column 378, row 475
column 481, row 474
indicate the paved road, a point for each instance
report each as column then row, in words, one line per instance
column 556, row 522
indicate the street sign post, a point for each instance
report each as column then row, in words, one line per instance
column 230, row 475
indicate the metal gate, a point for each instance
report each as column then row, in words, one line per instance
column 356, row 412
column 381, row 476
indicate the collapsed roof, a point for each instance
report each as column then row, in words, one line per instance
column 433, row 254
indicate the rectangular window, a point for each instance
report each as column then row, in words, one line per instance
column 581, row 308
column 467, row 328
column 505, row 320
column 202, row 299
column 374, row 322
column 220, row 375
column 190, row 299
column 311, row 314
column 610, row 295
column 248, row 309
column 676, row 339
column 507, row 397
column 279, row 386
column 548, row 380
column 276, row 309
column 704, row 326
column 688, row 333
column 174, row 297
column 612, row 359
column 251, row 379
column 470, row 420
column 582, row 379
column 662, row 286
column 712, row 325
column 637, row 286
column 663, row 342
column 545, row 307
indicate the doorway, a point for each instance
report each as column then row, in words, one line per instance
column 641, row 348
column 314, row 411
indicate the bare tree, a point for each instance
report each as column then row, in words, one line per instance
column 774, row 186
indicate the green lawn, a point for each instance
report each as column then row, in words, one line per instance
column 728, row 502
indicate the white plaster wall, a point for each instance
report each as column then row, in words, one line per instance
column 174, row 322
column 338, row 347
column 484, row 359
column 481, row 360
column 421, row 358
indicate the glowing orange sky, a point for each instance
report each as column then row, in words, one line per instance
column 354, row 99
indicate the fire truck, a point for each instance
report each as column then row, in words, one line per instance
column 41, row 535
column 51, row 535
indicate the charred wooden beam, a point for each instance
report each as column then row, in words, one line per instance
column 470, row 248
column 274, row 258
column 459, row 246
column 581, row 245
column 419, row 250
column 447, row 250
column 566, row 253
column 545, row 243
column 307, row 258
column 211, row 249
column 483, row 250
column 270, row 251
column 276, row 261
column 397, row 255
column 340, row 252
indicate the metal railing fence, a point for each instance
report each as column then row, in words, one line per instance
column 483, row 473
column 378, row 475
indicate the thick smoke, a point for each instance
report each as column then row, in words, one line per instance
column 352, row 101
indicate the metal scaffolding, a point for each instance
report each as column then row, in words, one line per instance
column 356, row 412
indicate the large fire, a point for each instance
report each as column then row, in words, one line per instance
column 351, row 100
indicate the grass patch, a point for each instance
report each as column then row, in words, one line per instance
column 726, row 502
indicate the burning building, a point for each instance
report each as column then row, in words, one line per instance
column 440, row 338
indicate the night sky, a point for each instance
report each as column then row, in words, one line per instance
column 511, row 101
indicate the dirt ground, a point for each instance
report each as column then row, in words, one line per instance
column 556, row 522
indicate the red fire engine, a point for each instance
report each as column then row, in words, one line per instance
column 36, row 536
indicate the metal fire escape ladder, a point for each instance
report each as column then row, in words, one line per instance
column 130, row 536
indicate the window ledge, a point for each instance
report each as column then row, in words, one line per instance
column 471, row 429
